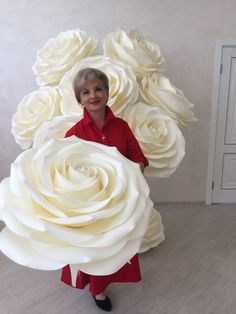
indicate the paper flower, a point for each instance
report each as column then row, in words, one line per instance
column 158, row 91
column 155, row 233
column 123, row 89
column 34, row 109
column 74, row 202
column 159, row 137
column 60, row 54
column 54, row 129
column 142, row 55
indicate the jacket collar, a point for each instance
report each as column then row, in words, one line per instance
column 108, row 116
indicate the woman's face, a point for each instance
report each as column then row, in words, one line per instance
column 94, row 96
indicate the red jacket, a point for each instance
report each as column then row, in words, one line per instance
column 115, row 132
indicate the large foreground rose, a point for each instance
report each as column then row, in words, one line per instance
column 158, row 91
column 34, row 109
column 142, row 55
column 74, row 202
column 60, row 54
column 155, row 233
column 160, row 138
column 123, row 89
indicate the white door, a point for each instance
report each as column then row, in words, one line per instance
column 224, row 168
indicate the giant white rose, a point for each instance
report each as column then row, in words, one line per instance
column 158, row 91
column 34, row 109
column 137, row 51
column 159, row 137
column 60, row 54
column 74, row 202
column 54, row 129
column 123, row 89
column 155, row 233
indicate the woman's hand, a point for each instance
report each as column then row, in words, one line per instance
column 142, row 166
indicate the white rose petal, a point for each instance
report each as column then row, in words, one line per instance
column 60, row 54
column 54, row 129
column 158, row 91
column 155, row 233
column 123, row 89
column 141, row 54
column 159, row 137
column 34, row 109
column 74, row 202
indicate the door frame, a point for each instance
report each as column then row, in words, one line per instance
column 220, row 45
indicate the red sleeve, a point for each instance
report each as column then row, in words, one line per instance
column 134, row 151
column 75, row 130
column 69, row 133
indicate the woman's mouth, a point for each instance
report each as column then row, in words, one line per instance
column 95, row 102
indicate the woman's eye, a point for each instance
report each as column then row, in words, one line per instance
column 85, row 92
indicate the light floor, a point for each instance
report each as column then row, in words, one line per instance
column 193, row 271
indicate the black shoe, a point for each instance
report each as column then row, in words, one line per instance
column 105, row 304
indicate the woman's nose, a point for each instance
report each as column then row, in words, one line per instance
column 92, row 93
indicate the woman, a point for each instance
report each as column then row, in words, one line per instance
column 100, row 125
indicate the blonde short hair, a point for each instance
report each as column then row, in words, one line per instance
column 85, row 75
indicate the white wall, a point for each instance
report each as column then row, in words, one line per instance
column 185, row 30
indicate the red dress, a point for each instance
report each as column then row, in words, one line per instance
column 115, row 132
